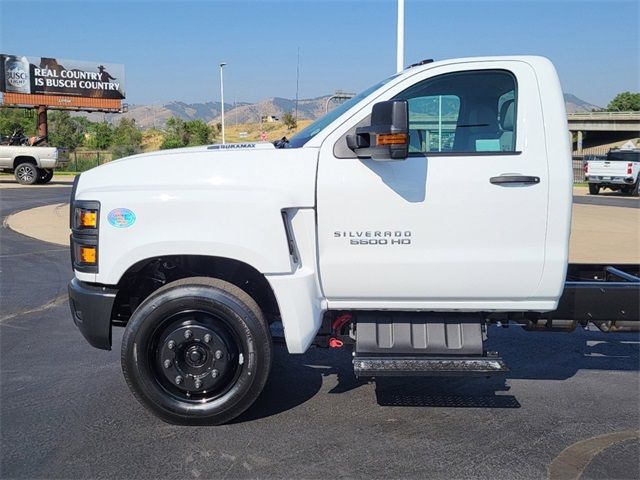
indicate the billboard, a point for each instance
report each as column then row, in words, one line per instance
column 50, row 77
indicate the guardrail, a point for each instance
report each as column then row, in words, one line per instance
column 604, row 116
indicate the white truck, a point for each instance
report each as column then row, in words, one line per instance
column 31, row 164
column 349, row 235
column 619, row 170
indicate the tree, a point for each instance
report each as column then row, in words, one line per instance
column 180, row 133
column 198, row 132
column 290, row 121
column 13, row 118
column 100, row 135
column 625, row 102
column 65, row 131
column 127, row 139
column 176, row 134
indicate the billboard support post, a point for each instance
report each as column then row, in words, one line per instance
column 43, row 129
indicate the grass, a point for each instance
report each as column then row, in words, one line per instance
column 151, row 140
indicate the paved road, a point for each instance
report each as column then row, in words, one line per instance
column 66, row 412
column 31, row 272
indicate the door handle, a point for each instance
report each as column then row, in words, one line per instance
column 502, row 179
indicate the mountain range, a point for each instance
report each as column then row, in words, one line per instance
column 147, row 116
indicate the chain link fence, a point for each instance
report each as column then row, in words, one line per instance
column 579, row 161
column 81, row 161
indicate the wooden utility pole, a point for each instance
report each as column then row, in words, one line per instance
column 43, row 128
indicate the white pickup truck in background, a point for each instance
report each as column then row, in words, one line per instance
column 347, row 235
column 619, row 170
column 31, row 164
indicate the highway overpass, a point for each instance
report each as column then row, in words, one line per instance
column 605, row 127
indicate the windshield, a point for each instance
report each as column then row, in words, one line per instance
column 624, row 155
column 307, row 133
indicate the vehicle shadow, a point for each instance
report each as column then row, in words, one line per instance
column 295, row 379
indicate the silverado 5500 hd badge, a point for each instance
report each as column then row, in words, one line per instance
column 375, row 237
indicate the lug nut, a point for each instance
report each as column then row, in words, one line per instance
column 178, row 380
column 214, row 373
column 207, row 338
column 167, row 363
column 218, row 354
column 187, row 334
column 171, row 345
column 198, row 384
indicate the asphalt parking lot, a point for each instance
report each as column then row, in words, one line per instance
column 569, row 406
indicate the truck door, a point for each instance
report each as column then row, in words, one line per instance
column 462, row 221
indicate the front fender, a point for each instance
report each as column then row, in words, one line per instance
column 244, row 228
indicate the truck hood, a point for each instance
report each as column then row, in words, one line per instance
column 289, row 173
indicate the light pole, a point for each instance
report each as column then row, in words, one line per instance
column 400, row 39
column 222, row 98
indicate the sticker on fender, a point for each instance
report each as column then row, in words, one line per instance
column 121, row 217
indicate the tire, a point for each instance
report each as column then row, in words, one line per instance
column 232, row 365
column 45, row 175
column 26, row 173
column 636, row 188
column 594, row 188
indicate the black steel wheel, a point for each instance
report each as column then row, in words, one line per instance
column 197, row 351
column 45, row 175
column 26, row 173
column 594, row 189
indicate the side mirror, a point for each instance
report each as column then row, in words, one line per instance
column 387, row 138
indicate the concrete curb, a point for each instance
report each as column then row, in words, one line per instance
column 49, row 223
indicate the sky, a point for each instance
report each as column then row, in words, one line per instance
column 171, row 49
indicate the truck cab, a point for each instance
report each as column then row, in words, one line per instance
column 400, row 222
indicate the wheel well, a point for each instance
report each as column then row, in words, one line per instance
column 22, row 159
column 145, row 277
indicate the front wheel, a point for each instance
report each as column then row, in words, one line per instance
column 594, row 188
column 26, row 173
column 197, row 351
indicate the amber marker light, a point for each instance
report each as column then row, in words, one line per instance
column 88, row 218
column 391, row 138
column 88, row 255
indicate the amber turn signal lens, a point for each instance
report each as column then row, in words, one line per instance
column 88, row 255
column 88, row 218
column 392, row 138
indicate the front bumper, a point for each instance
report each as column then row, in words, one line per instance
column 91, row 307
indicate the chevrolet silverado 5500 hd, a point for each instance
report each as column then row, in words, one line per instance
column 400, row 224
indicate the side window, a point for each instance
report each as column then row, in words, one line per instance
column 465, row 112
column 432, row 122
